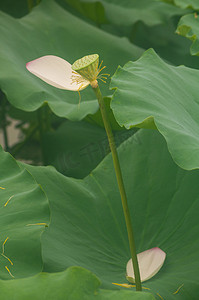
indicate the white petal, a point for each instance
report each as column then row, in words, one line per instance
column 57, row 72
column 150, row 262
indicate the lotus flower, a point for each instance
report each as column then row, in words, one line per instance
column 150, row 262
column 61, row 74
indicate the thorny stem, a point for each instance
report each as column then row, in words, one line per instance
column 120, row 185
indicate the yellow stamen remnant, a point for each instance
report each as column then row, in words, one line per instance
column 45, row 224
column 3, row 250
column 2, row 188
column 160, row 296
column 7, row 259
column 8, row 200
column 3, row 246
column 9, row 272
column 178, row 289
column 126, row 285
column 104, row 77
column 145, row 288
column 77, row 78
column 80, row 94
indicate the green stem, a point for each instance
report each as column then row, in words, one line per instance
column 4, row 123
column 26, row 140
column 47, row 113
column 121, row 186
column 30, row 5
column 41, row 131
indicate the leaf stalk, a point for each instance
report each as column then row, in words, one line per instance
column 121, row 187
column 4, row 122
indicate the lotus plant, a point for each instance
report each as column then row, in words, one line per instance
column 84, row 72
column 61, row 74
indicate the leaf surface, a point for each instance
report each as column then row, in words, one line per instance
column 75, row 283
column 22, row 203
column 38, row 34
column 188, row 26
column 16, row 9
column 184, row 3
column 128, row 12
column 76, row 148
column 150, row 93
column 88, row 227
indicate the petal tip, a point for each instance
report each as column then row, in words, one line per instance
column 27, row 65
column 158, row 250
column 150, row 262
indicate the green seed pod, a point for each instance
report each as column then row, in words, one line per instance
column 87, row 67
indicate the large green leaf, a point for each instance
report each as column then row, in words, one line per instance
column 128, row 12
column 184, row 3
column 151, row 93
column 75, row 283
column 76, row 148
column 15, row 8
column 22, row 203
column 168, row 45
column 188, row 26
column 96, row 118
column 92, row 11
column 49, row 29
column 88, row 226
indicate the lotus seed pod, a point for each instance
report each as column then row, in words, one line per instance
column 87, row 67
